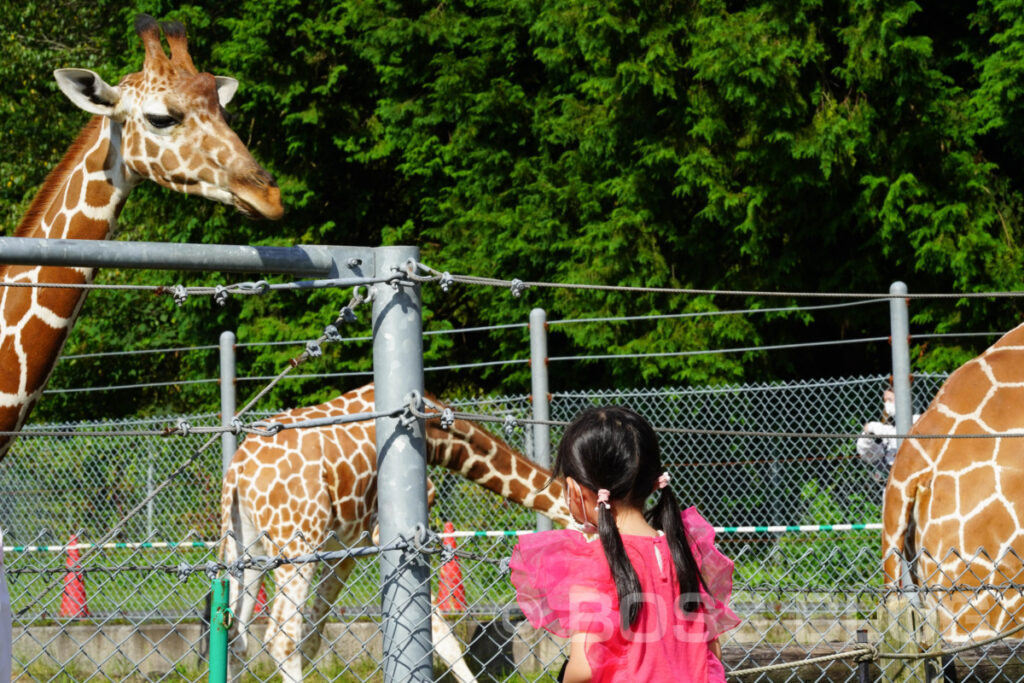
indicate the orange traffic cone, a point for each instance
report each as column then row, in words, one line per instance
column 261, row 602
column 451, row 593
column 72, row 602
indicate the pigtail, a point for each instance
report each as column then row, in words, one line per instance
column 665, row 515
column 627, row 583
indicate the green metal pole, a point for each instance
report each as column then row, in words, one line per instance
column 220, row 621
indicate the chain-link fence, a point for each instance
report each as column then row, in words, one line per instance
column 133, row 608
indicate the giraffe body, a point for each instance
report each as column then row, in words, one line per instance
column 164, row 123
column 304, row 490
column 958, row 504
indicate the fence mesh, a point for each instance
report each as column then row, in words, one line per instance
column 801, row 594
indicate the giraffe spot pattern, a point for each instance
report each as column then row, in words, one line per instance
column 965, row 495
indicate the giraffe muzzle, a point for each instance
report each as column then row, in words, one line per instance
column 258, row 197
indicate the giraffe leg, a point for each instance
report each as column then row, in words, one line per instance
column 327, row 590
column 243, row 603
column 286, row 623
column 447, row 647
column 242, row 596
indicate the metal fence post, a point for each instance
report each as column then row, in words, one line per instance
column 402, row 472
column 904, row 632
column 228, row 441
column 863, row 667
column 6, row 626
column 150, row 506
column 900, row 324
column 219, row 623
column 539, row 393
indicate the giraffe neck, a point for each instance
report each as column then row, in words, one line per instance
column 493, row 464
column 80, row 199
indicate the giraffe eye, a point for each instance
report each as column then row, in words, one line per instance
column 161, row 120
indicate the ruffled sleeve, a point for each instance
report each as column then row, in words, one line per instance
column 563, row 583
column 716, row 570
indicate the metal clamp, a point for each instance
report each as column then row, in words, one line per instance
column 413, row 409
column 331, row 333
column 180, row 294
column 446, row 281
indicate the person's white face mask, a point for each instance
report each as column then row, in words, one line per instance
column 585, row 527
column 890, row 407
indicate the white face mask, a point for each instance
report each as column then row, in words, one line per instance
column 890, row 407
column 586, row 527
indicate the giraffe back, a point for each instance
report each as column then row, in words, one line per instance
column 322, row 481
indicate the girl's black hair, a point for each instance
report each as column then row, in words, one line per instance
column 614, row 448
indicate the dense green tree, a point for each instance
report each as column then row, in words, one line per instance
column 781, row 146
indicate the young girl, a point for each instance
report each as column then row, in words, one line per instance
column 647, row 599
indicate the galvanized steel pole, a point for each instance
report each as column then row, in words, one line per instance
column 899, row 318
column 539, row 392
column 402, row 472
column 228, row 441
column 900, row 324
column 302, row 260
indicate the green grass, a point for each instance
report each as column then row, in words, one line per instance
column 364, row 670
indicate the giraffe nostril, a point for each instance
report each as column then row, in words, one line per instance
column 264, row 179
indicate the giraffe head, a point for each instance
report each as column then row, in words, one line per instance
column 172, row 125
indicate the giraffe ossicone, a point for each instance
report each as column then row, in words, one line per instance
column 165, row 123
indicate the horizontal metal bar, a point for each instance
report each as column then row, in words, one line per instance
column 299, row 260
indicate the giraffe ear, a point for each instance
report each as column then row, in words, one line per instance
column 87, row 90
column 226, row 87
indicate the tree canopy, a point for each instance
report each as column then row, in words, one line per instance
column 785, row 146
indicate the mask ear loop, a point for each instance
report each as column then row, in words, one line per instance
column 568, row 491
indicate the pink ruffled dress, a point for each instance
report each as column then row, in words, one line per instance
column 563, row 584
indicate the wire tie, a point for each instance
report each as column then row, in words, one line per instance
column 220, row 294
column 258, row 287
column 236, row 426
column 264, row 428
column 509, row 426
column 517, row 287
column 183, row 572
column 505, row 565
column 447, row 419
column 184, row 428
column 180, row 294
column 446, row 281
column 313, row 349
